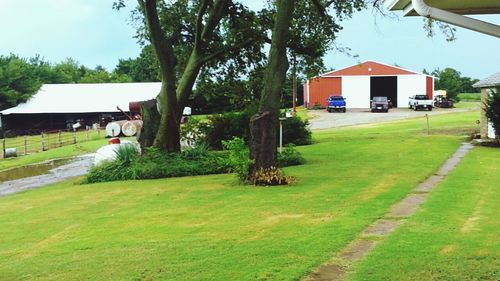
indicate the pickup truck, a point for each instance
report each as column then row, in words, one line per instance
column 379, row 104
column 417, row 102
column 336, row 103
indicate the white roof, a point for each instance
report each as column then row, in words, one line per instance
column 80, row 98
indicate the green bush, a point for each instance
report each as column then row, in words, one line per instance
column 238, row 160
column 296, row 131
column 492, row 107
column 290, row 157
column 155, row 164
column 224, row 127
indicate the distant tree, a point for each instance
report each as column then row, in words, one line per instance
column 144, row 68
column 101, row 75
column 18, row 81
column 451, row 80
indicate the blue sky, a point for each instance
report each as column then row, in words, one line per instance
column 93, row 34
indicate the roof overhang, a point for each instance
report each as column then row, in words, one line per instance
column 461, row 7
column 451, row 11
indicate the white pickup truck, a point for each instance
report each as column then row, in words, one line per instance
column 417, row 102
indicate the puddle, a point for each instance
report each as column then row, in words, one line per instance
column 38, row 175
column 32, row 170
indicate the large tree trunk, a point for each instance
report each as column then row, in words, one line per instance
column 263, row 125
column 168, row 137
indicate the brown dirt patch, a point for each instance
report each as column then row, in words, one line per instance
column 408, row 206
column 327, row 272
column 382, row 227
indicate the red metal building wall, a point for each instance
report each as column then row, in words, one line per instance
column 321, row 88
column 429, row 87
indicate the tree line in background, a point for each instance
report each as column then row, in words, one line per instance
column 453, row 82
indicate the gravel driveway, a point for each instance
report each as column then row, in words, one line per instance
column 321, row 119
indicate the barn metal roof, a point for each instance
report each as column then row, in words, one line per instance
column 80, row 98
column 490, row 81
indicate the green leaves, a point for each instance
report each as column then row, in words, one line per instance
column 18, row 81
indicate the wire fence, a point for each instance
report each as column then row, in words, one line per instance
column 23, row 145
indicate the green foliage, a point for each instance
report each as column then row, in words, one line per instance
column 270, row 176
column 451, row 80
column 144, row 68
column 18, row 81
column 155, row 163
column 469, row 97
column 296, row 131
column 238, row 159
column 492, row 107
column 194, row 130
column 126, row 154
column 290, row 157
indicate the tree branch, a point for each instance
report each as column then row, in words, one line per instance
column 214, row 17
column 199, row 24
column 226, row 50
column 162, row 45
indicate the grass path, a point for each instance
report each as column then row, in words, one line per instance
column 209, row 227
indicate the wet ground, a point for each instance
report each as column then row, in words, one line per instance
column 38, row 175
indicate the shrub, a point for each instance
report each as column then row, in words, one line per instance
column 492, row 107
column 290, row 157
column 296, row 131
column 270, row 176
column 193, row 132
column 238, row 160
column 126, row 154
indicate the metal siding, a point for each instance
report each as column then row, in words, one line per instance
column 429, row 86
column 409, row 85
column 370, row 68
column 321, row 88
column 356, row 90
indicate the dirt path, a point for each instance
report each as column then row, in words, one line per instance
column 337, row 267
column 77, row 167
column 321, row 119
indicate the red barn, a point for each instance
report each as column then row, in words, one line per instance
column 359, row 83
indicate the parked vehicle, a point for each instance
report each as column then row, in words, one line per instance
column 379, row 104
column 336, row 103
column 442, row 101
column 417, row 102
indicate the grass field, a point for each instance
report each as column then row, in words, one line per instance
column 210, row 227
column 61, row 152
column 456, row 234
column 469, row 97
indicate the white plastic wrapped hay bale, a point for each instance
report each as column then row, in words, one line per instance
column 108, row 152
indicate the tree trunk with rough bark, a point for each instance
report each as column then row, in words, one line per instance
column 264, row 124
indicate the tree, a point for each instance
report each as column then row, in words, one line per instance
column 301, row 33
column 144, row 68
column 187, row 36
column 451, row 80
column 18, row 81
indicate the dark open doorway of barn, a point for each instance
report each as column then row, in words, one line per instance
column 385, row 86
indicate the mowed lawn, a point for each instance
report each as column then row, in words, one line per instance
column 455, row 236
column 212, row 228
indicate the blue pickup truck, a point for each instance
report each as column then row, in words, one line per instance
column 336, row 103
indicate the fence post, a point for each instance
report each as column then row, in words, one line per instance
column 25, row 144
column 43, row 142
column 59, row 136
column 74, row 137
column 87, row 134
column 3, row 148
column 428, row 128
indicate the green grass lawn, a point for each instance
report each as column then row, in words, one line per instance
column 455, row 236
column 61, row 152
column 469, row 96
column 210, row 227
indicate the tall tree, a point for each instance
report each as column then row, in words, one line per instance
column 308, row 33
column 18, row 81
column 187, row 36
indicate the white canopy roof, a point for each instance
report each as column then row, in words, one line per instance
column 80, row 98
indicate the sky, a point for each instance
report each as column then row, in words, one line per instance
column 92, row 33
